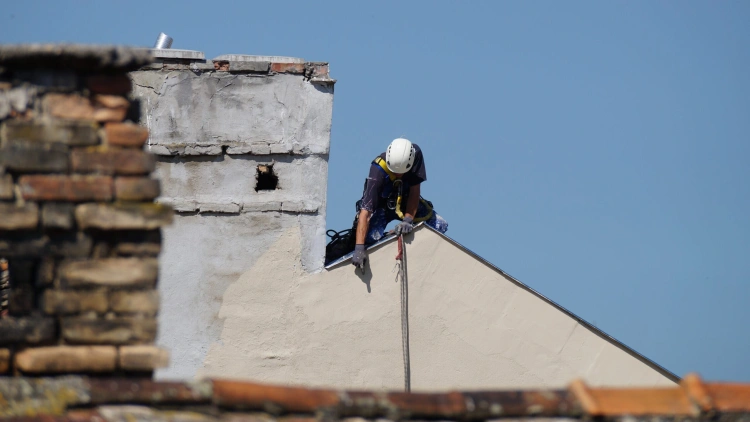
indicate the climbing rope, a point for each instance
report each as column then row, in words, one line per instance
column 401, row 257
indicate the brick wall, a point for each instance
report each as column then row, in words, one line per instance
column 79, row 229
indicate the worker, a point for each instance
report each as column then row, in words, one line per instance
column 392, row 192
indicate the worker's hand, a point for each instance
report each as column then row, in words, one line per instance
column 360, row 256
column 405, row 227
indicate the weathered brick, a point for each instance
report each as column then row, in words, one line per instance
column 70, row 245
column 137, row 249
column 21, row 300
column 109, row 84
column 72, row 133
column 15, row 101
column 18, row 217
column 101, row 250
column 296, row 68
column 221, row 65
column 27, row 330
column 67, row 359
column 112, row 161
column 142, row 358
column 111, row 101
column 133, row 216
column 125, row 134
column 67, row 302
column 68, row 106
column 103, row 108
column 6, row 187
column 317, row 70
column 110, row 272
column 58, row 215
column 134, row 302
column 21, row 243
column 138, row 243
column 5, row 360
column 45, row 273
column 59, row 78
column 75, row 188
column 121, row 330
column 29, row 156
column 136, row 188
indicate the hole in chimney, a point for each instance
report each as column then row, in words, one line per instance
column 267, row 180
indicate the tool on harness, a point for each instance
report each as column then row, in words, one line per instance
column 342, row 242
column 398, row 183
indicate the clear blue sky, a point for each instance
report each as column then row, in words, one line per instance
column 597, row 151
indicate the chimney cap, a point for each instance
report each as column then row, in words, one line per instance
column 170, row 53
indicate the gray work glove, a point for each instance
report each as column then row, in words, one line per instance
column 360, row 256
column 405, row 227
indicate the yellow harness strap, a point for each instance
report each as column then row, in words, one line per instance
column 381, row 162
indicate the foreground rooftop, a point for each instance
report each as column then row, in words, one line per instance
column 87, row 399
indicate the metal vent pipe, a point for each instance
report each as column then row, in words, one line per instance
column 163, row 41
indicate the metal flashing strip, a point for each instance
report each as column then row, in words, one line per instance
column 374, row 246
column 662, row 370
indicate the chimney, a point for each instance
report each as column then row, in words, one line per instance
column 242, row 145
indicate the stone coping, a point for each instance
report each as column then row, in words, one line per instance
column 170, row 53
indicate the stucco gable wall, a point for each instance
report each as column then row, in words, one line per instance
column 470, row 326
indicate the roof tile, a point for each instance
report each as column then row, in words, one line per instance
column 221, row 399
column 633, row 401
column 272, row 399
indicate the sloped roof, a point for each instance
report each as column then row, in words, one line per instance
column 392, row 238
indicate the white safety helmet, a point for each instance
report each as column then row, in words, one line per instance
column 400, row 155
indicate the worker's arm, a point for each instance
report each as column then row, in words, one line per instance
column 359, row 258
column 413, row 202
column 362, row 225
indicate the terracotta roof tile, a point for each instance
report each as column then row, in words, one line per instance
column 246, row 401
column 273, row 399
column 633, row 401
column 722, row 398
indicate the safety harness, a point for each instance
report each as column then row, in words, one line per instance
column 343, row 242
column 396, row 180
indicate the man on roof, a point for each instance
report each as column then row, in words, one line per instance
column 392, row 192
